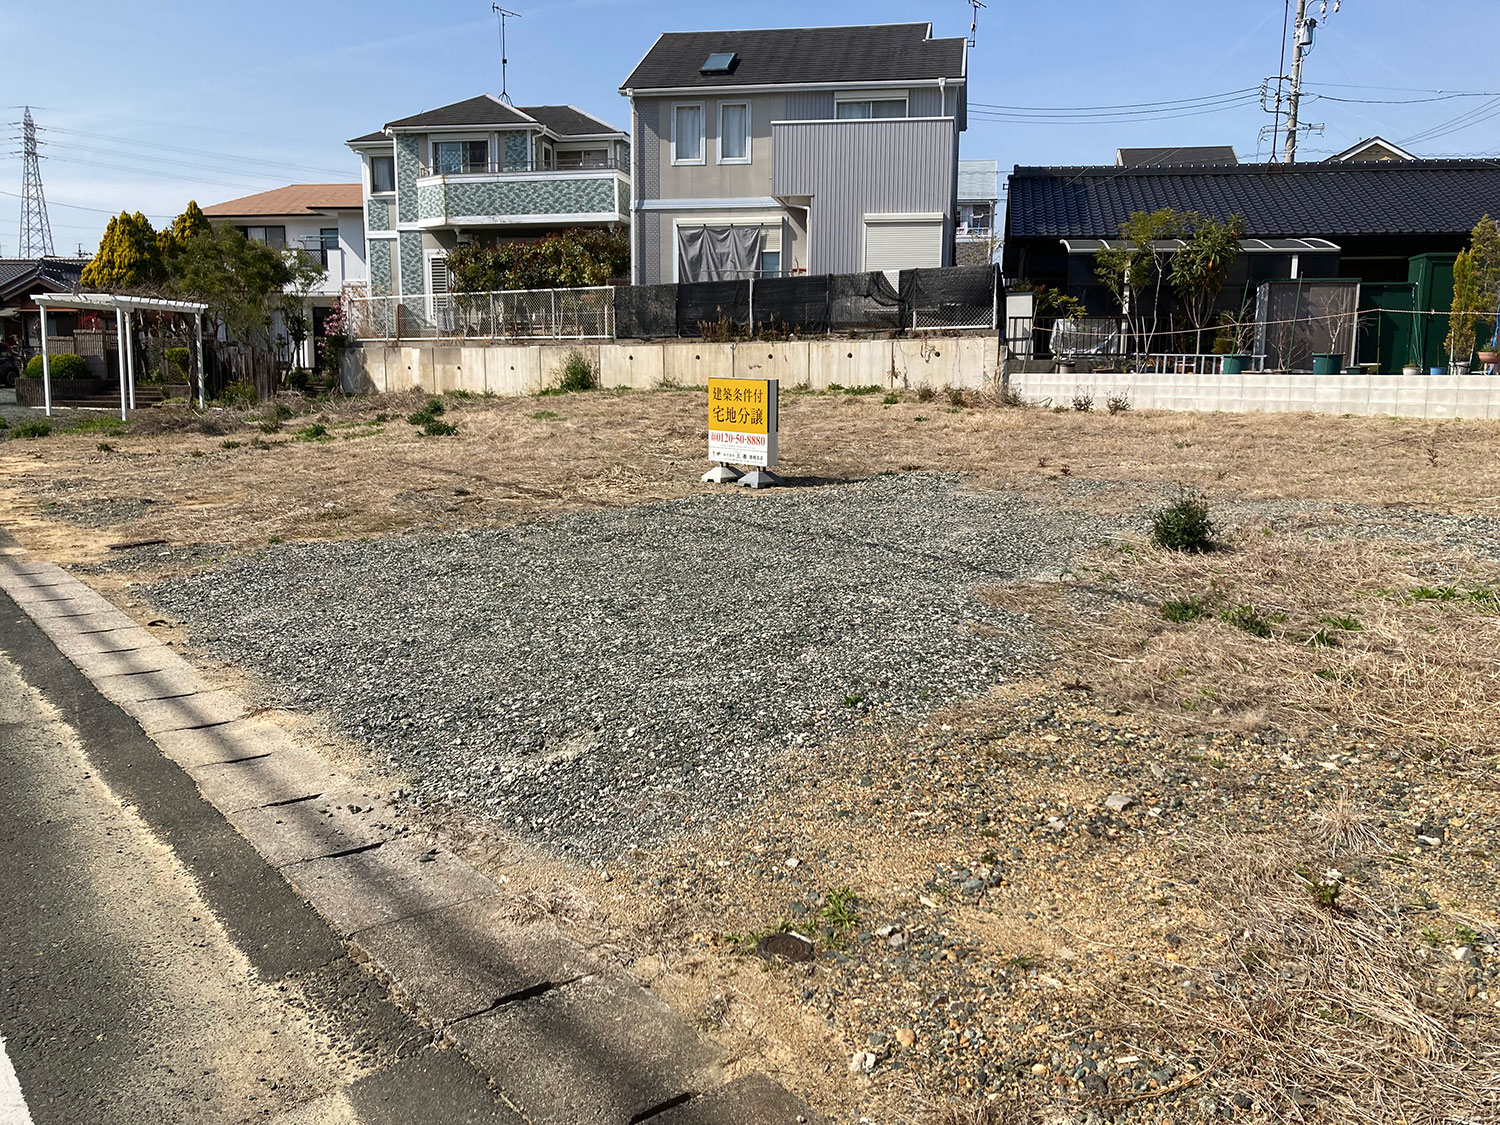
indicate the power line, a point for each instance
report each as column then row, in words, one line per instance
column 1126, row 106
column 79, row 206
column 277, row 164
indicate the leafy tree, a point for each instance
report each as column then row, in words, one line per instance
column 241, row 281
column 172, row 239
column 304, row 273
column 567, row 260
column 1200, row 269
column 1133, row 272
column 1476, row 289
column 129, row 256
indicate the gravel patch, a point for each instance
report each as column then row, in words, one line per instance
column 602, row 680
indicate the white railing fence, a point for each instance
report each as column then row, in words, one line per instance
column 521, row 314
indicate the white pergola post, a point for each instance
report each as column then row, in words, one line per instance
column 123, row 345
column 202, row 374
column 130, row 354
column 46, row 366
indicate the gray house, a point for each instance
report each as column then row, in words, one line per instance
column 799, row 150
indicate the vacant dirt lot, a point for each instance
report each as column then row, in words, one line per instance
column 1178, row 837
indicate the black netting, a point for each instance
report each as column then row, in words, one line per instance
column 797, row 304
column 708, row 302
column 956, row 297
column 645, row 312
column 864, row 302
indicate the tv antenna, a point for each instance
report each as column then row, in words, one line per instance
column 974, row 26
column 36, row 228
column 504, row 14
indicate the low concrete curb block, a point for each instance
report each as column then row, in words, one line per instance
column 311, row 829
column 232, row 742
column 465, row 959
column 752, row 1100
column 275, row 778
column 598, row 1051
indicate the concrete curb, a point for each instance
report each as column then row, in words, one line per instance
column 565, row 1042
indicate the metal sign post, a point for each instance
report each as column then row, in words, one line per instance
column 743, row 420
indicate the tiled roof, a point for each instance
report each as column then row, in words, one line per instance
column 1276, row 200
column 486, row 109
column 1175, row 157
column 294, row 199
column 800, row 55
column 375, row 138
column 566, row 121
column 19, row 274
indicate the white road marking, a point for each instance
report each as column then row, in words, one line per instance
column 13, row 1109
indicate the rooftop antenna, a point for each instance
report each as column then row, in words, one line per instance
column 974, row 26
column 36, row 228
column 504, row 15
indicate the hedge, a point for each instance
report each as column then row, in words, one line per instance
column 64, row 366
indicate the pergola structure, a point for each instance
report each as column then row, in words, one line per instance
column 124, row 307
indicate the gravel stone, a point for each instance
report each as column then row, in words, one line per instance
column 604, row 679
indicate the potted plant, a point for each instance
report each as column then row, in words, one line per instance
column 1235, row 341
column 1067, row 311
column 1476, row 290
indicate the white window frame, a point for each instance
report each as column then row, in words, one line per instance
column 749, row 135
column 872, row 96
column 435, row 139
column 702, row 131
column 382, row 193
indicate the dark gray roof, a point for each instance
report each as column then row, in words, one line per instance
column 1276, row 200
column 1172, row 157
column 890, row 53
column 566, row 121
column 17, row 274
column 370, row 139
column 486, row 109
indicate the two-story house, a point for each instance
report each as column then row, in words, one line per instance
column 483, row 170
column 977, row 243
column 325, row 222
column 798, row 150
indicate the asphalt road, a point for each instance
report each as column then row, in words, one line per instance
column 153, row 969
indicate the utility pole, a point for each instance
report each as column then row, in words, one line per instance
column 36, row 229
column 1302, row 45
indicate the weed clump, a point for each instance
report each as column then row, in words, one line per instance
column 1117, row 404
column 1184, row 611
column 429, row 420
column 315, row 432
column 1083, row 402
column 31, row 429
column 1185, row 525
column 578, row 373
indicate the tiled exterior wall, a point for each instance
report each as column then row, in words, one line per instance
column 380, row 267
column 413, row 280
column 408, row 168
column 378, row 214
column 517, row 149
column 593, row 196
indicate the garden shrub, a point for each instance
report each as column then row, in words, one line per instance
column 64, row 366
column 578, row 373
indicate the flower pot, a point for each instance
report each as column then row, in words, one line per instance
column 1066, row 367
column 1236, row 364
column 1327, row 363
column 1489, row 359
column 1411, row 369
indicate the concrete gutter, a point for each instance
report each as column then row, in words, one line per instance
column 564, row 1041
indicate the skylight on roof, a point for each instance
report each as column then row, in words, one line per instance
column 720, row 62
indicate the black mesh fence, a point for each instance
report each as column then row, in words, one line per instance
column 965, row 297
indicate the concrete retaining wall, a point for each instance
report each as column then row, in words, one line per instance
column 1416, row 396
column 969, row 362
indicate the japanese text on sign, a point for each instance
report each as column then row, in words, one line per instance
column 742, row 421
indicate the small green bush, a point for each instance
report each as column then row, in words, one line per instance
column 177, row 361
column 578, row 373
column 1184, row 611
column 436, row 427
column 29, row 429
column 315, row 432
column 240, row 396
column 1185, row 525
column 428, row 413
column 891, row 399
column 1249, row 619
column 64, row 366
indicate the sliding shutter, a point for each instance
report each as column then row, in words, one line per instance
column 905, row 243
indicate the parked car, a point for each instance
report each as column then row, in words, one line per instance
column 10, row 367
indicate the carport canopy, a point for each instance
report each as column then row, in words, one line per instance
column 124, row 307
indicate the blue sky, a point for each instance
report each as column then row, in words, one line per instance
column 215, row 100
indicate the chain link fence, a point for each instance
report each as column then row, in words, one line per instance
column 524, row 314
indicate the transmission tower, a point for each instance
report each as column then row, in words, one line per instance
column 36, row 229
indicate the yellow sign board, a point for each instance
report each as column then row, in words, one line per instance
column 742, row 421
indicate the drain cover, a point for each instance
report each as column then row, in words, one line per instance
column 793, row 947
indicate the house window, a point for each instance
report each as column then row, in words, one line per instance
column 328, row 240
column 382, row 174
column 770, row 263
column 687, row 133
column 734, row 133
column 458, row 157
column 975, row 218
column 866, row 106
column 271, row 236
column 583, row 158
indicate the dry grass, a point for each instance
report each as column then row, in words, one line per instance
column 509, row 461
column 1372, row 635
column 1323, row 1002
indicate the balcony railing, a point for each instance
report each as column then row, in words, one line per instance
column 523, row 167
